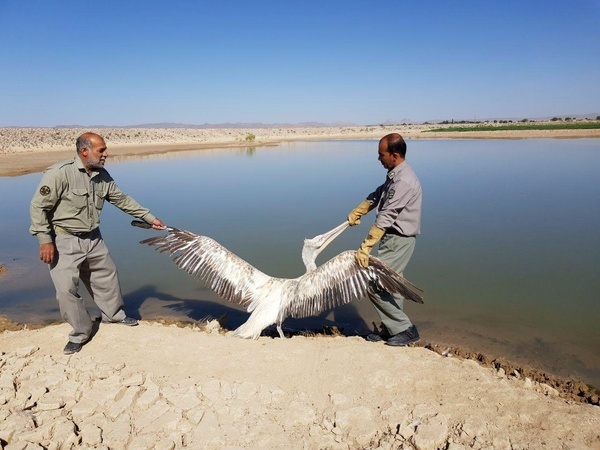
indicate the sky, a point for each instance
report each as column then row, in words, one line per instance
column 119, row 63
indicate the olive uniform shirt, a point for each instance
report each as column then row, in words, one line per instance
column 69, row 200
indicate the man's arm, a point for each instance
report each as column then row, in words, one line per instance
column 127, row 204
column 44, row 200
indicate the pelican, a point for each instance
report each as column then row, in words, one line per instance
column 270, row 300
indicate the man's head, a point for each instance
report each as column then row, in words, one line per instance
column 392, row 150
column 91, row 149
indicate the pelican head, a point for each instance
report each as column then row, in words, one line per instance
column 312, row 247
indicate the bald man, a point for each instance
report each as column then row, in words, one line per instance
column 65, row 218
column 398, row 222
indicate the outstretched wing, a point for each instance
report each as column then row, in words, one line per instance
column 342, row 280
column 228, row 275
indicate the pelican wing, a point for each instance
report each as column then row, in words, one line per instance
column 228, row 275
column 342, row 280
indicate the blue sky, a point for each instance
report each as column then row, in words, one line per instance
column 131, row 62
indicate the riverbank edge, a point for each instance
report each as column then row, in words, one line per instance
column 36, row 159
column 569, row 389
column 20, row 163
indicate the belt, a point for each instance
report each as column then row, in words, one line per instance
column 81, row 235
column 395, row 232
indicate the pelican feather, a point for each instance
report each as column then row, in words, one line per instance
column 270, row 300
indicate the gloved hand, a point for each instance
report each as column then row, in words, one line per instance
column 362, row 254
column 358, row 212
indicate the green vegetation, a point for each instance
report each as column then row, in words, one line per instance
column 250, row 137
column 567, row 125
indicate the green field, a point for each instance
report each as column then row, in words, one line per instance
column 526, row 126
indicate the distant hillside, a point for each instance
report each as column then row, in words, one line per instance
column 254, row 125
column 222, row 125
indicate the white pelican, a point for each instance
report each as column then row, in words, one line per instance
column 270, row 300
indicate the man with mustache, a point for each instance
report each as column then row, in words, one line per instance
column 65, row 217
column 398, row 222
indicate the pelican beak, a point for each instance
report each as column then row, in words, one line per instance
column 323, row 240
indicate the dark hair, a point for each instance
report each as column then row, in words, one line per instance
column 395, row 144
column 83, row 141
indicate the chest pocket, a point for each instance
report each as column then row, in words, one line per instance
column 99, row 190
column 78, row 200
column 98, row 201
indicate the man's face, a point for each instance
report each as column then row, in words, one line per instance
column 387, row 159
column 96, row 156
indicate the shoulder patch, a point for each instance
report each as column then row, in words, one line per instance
column 391, row 193
column 45, row 190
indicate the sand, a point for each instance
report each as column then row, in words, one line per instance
column 29, row 150
column 159, row 386
column 164, row 386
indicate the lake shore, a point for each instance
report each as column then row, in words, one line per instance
column 180, row 385
column 30, row 150
column 197, row 386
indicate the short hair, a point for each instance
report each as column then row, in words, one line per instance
column 395, row 144
column 83, row 141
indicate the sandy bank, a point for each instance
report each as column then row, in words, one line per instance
column 157, row 386
column 28, row 150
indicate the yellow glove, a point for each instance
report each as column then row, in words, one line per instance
column 360, row 210
column 362, row 254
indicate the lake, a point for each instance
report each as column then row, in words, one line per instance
column 508, row 254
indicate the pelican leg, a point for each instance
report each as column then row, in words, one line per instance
column 280, row 331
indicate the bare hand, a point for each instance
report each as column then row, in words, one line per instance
column 47, row 252
column 158, row 225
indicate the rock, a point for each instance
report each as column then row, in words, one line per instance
column 194, row 415
column 26, row 351
column 91, row 435
column 144, row 419
column 15, row 423
column 396, row 415
column 83, row 409
column 64, row 434
column 184, row 400
column 134, row 380
column 118, row 433
column 49, row 404
column 358, row 424
column 103, row 391
column 7, row 382
column 338, row 399
column 431, row 433
column 298, row 415
column 123, row 401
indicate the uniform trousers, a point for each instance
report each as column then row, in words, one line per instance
column 86, row 259
column 395, row 251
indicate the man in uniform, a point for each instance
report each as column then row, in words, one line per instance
column 65, row 216
column 398, row 222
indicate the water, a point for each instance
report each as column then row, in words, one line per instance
column 507, row 257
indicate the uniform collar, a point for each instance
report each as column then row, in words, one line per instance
column 397, row 170
column 79, row 163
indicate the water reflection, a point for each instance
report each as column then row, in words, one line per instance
column 185, row 154
column 507, row 256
